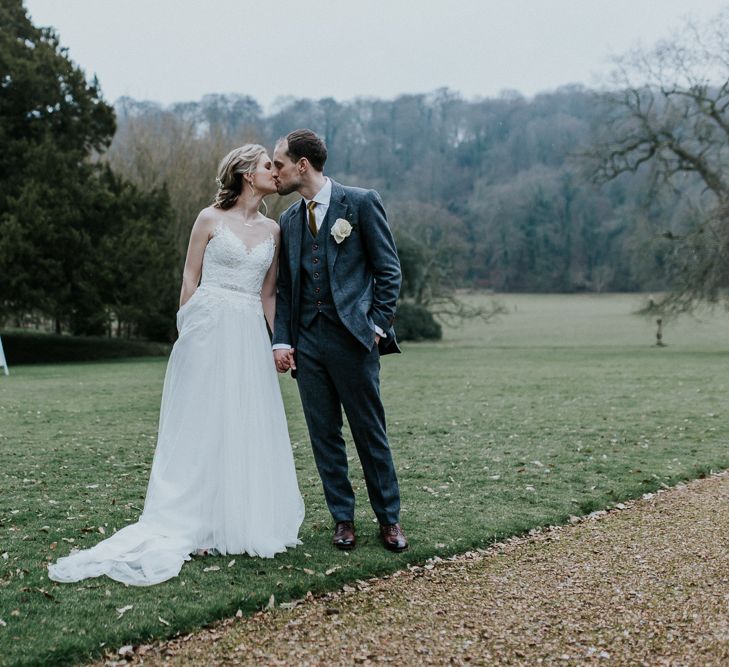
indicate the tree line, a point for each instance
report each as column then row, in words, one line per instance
column 570, row 190
column 489, row 193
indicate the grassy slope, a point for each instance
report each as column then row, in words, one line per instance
column 559, row 408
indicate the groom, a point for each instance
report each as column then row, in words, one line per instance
column 338, row 282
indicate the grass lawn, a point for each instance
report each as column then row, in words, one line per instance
column 561, row 407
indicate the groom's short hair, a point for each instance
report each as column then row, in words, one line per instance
column 305, row 143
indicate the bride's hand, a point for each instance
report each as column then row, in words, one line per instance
column 284, row 360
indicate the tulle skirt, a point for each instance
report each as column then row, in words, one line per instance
column 223, row 474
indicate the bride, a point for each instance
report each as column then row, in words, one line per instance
column 223, row 477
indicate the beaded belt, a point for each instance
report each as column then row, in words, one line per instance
column 252, row 297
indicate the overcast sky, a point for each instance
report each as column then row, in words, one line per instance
column 177, row 50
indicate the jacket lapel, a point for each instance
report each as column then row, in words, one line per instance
column 294, row 228
column 337, row 209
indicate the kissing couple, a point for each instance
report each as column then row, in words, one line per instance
column 326, row 282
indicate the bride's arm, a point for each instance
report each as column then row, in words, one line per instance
column 268, row 290
column 199, row 237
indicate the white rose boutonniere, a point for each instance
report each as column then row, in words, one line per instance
column 341, row 229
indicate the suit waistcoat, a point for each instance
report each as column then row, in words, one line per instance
column 316, row 291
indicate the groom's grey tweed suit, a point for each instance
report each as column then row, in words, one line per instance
column 330, row 297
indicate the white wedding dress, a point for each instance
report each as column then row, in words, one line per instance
column 223, row 473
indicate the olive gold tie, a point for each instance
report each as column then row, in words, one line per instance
column 312, row 218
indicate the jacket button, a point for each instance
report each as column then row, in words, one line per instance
column 317, row 290
column 316, row 275
column 315, row 247
column 316, row 260
column 318, row 303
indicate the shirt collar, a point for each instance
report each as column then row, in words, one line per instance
column 324, row 196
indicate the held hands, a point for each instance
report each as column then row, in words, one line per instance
column 284, row 360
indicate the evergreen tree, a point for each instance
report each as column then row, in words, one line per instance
column 51, row 119
column 78, row 244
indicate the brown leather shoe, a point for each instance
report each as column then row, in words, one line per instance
column 393, row 537
column 344, row 536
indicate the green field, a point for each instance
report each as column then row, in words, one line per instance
column 560, row 407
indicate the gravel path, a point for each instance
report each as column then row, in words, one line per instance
column 645, row 584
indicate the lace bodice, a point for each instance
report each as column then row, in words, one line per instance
column 229, row 263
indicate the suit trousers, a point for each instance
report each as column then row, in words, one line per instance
column 335, row 371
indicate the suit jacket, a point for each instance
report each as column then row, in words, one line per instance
column 364, row 269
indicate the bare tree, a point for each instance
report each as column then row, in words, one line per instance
column 668, row 112
column 154, row 147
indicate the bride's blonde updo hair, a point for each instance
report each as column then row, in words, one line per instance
column 231, row 171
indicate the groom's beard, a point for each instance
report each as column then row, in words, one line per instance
column 284, row 190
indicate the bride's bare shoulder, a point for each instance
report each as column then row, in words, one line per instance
column 210, row 213
column 208, row 217
column 272, row 227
